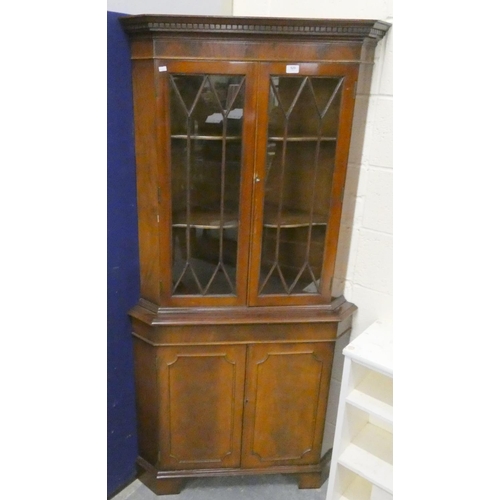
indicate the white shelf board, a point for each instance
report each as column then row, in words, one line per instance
column 378, row 494
column 370, row 456
column 359, row 489
column 373, row 395
column 373, row 348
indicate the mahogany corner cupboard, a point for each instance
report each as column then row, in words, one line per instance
column 242, row 131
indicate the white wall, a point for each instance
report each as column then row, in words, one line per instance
column 353, row 9
column 188, row 7
column 366, row 233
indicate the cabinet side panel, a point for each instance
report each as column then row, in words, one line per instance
column 285, row 403
column 201, row 399
column 147, row 176
column 147, row 400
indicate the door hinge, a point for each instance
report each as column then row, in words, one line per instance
column 355, row 89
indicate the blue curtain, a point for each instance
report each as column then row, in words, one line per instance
column 123, row 260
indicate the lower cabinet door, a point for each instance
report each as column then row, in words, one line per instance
column 285, row 403
column 200, row 406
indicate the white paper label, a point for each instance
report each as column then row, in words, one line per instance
column 235, row 114
column 214, row 118
column 162, row 68
column 292, row 68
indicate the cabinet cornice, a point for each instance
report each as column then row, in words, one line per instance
column 327, row 29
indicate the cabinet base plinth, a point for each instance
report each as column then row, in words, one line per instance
column 163, row 482
column 160, row 486
column 164, row 486
column 312, row 480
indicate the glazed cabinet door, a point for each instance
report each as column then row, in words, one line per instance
column 209, row 110
column 305, row 114
column 285, row 403
column 200, row 406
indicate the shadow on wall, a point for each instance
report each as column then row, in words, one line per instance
column 123, row 260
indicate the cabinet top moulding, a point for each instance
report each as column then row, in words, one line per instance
column 325, row 29
column 337, row 311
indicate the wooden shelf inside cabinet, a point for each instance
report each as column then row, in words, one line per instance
column 206, row 137
column 206, row 220
column 291, row 218
column 311, row 138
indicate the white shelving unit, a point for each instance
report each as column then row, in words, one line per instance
column 362, row 450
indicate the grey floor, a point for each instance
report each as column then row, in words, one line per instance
column 266, row 487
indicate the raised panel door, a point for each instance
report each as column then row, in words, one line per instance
column 285, row 401
column 200, row 405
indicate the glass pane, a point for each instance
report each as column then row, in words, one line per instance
column 301, row 145
column 206, row 129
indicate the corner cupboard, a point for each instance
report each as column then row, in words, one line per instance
column 242, row 131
